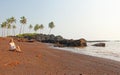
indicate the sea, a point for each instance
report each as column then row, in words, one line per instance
column 110, row 51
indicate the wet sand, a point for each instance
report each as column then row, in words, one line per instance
column 39, row 59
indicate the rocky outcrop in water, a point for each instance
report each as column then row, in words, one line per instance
column 99, row 44
column 73, row 43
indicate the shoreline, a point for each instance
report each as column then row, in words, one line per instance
column 88, row 54
column 39, row 59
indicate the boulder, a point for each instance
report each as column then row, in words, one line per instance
column 73, row 43
column 83, row 42
column 99, row 44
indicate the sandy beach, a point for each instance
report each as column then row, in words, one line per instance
column 39, row 59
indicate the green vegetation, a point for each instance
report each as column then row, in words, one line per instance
column 36, row 28
column 8, row 27
column 51, row 26
column 23, row 21
column 30, row 27
column 41, row 27
column 26, row 35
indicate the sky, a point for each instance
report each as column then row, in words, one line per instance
column 73, row 19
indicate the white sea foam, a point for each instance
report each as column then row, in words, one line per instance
column 111, row 51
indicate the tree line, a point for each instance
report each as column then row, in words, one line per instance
column 10, row 25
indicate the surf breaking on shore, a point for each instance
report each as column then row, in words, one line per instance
column 38, row 59
column 111, row 51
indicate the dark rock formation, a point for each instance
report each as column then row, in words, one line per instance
column 73, row 43
column 48, row 38
column 59, row 41
column 99, row 44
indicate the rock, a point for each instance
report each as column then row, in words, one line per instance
column 83, row 42
column 31, row 40
column 58, row 45
column 73, row 43
column 48, row 38
column 99, row 44
column 59, row 41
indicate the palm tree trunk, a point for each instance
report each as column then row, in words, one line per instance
column 2, row 32
column 40, row 31
column 29, row 30
column 23, row 29
column 14, row 32
column 20, row 29
column 7, row 32
column 50, row 31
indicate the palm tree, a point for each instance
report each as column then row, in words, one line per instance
column 3, row 26
column 8, row 25
column 8, row 29
column 51, row 26
column 22, row 21
column 36, row 27
column 13, row 20
column 14, row 27
column 10, row 21
column 30, row 27
column 41, row 27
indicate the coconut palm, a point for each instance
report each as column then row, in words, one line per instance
column 8, row 26
column 14, row 27
column 13, row 20
column 3, row 26
column 22, row 21
column 36, row 27
column 10, row 21
column 51, row 26
column 30, row 27
column 8, row 29
column 41, row 27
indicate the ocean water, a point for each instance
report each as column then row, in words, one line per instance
column 110, row 51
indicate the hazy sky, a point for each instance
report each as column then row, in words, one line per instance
column 74, row 19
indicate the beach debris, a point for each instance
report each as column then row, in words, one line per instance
column 99, row 44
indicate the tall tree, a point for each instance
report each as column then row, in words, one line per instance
column 23, row 21
column 36, row 27
column 30, row 27
column 2, row 29
column 10, row 22
column 51, row 26
column 8, row 25
column 8, row 29
column 13, row 21
column 3, row 26
column 14, row 27
column 41, row 27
